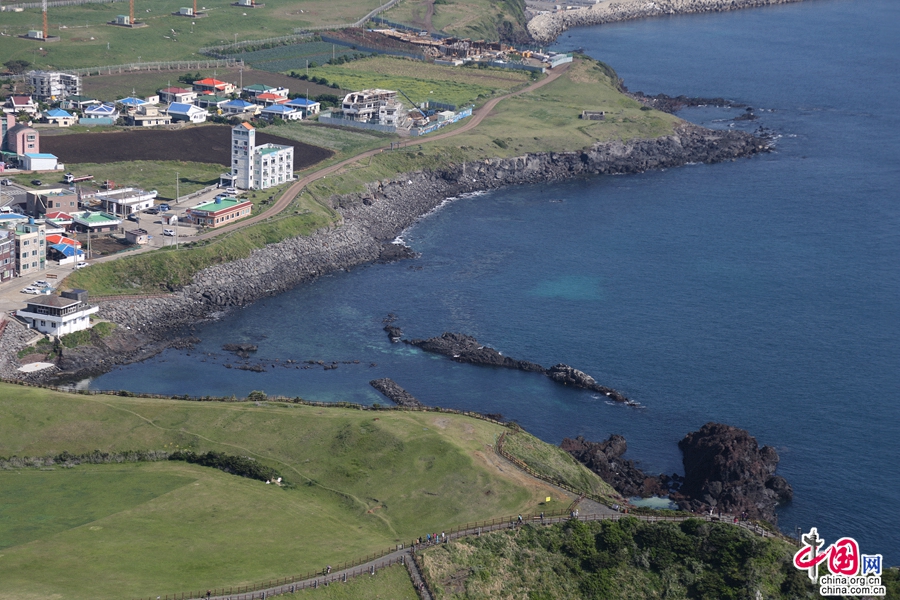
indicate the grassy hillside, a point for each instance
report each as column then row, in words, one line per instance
column 363, row 481
column 621, row 560
column 476, row 19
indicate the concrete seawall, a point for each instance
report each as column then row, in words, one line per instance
column 546, row 28
column 375, row 217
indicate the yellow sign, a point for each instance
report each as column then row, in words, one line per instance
column 548, row 499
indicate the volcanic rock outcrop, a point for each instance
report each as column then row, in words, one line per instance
column 726, row 470
column 605, row 459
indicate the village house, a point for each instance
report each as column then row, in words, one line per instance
column 148, row 115
column 287, row 113
column 53, row 85
column 179, row 111
column 211, row 101
column 268, row 99
column 94, row 222
column 219, row 212
column 58, row 315
column 38, row 203
column 239, row 107
column 21, row 104
column 60, row 117
column 58, row 220
column 306, row 106
column 125, row 201
column 77, row 102
column 99, row 111
column 256, row 89
column 171, row 95
column 214, row 86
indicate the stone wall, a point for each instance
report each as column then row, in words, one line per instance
column 546, row 28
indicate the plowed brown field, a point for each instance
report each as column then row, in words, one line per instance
column 194, row 144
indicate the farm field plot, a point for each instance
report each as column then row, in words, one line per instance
column 361, row 484
column 210, row 144
column 145, row 83
column 293, row 57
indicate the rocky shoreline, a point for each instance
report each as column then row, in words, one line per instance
column 546, row 28
column 371, row 220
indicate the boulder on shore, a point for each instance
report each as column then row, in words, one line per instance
column 605, row 459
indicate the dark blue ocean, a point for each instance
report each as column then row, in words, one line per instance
column 762, row 293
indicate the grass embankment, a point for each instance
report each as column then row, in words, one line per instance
column 169, row 268
column 363, row 481
column 555, row 463
column 613, row 560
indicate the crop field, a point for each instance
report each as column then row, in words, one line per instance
column 362, row 482
column 145, row 83
column 208, row 144
column 294, row 57
column 87, row 40
column 422, row 81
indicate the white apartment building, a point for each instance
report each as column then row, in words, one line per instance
column 53, row 85
column 258, row 167
column 58, row 315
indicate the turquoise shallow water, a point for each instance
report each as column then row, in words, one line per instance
column 762, row 293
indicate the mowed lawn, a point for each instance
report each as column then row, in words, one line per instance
column 363, row 481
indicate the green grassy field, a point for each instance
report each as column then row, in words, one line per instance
column 87, row 41
column 422, row 81
column 476, row 19
column 543, row 121
column 364, row 481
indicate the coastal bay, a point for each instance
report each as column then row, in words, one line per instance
column 759, row 293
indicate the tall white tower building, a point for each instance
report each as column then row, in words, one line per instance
column 243, row 147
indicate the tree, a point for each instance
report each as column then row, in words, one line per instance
column 16, row 66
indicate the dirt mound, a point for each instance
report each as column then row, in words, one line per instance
column 195, row 144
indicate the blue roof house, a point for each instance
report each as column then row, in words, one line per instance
column 288, row 113
column 237, row 107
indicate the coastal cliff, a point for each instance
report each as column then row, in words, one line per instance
column 371, row 219
column 546, row 28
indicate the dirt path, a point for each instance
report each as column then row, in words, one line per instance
column 292, row 192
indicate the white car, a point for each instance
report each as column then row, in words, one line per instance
column 30, row 290
column 40, row 283
column 168, row 232
column 81, row 265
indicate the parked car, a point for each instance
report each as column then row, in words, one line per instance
column 40, row 283
column 132, row 217
column 163, row 207
column 168, row 232
column 37, row 182
column 30, row 290
column 81, row 265
column 5, row 182
column 152, row 210
column 230, row 190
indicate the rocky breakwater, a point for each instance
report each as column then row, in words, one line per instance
column 396, row 394
column 726, row 470
column 546, row 28
column 372, row 219
column 466, row 349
